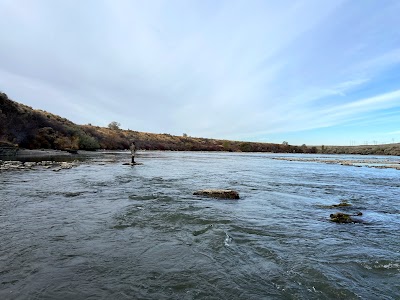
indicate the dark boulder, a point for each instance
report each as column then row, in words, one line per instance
column 223, row 194
column 343, row 204
column 344, row 218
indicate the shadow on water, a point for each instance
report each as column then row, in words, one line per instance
column 56, row 158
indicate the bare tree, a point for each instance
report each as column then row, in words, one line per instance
column 114, row 125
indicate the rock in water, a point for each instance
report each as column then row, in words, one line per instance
column 344, row 218
column 223, row 194
column 343, row 204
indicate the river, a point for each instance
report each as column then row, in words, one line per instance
column 103, row 230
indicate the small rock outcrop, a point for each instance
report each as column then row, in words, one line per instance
column 132, row 164
column 343, row 204
column 222, row 194
column 344, row 218
column 19, row 165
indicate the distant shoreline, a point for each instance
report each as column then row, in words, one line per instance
column 41, row 153
column 27, row 158
column 38, row 153
column 28, row 128
column 26, row 154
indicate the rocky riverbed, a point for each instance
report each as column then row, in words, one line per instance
column 370, row 163
column 12, row 165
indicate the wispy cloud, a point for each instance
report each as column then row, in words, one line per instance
column 228, row 69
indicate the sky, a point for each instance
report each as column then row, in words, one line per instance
column 303, row 71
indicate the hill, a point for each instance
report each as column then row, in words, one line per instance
column 35, row 129
column 30, row 128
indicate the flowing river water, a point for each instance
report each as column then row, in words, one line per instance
column 102, row 230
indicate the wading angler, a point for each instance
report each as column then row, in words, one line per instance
column 133, row 151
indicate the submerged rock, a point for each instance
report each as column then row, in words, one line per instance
column 344, row 218
column 223, row 194
column 201, row 231
column 66, row 165
column 341, row 218
column 341, row 204
column 29, row 164
column 11, row 165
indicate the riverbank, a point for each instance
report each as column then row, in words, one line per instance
column 25, row 159
column 55, row 160
column 370, row 163
column 25, row 153
column 13, row 165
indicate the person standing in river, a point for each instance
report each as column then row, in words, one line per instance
column 133, row 151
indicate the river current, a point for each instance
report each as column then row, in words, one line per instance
column 103, row 230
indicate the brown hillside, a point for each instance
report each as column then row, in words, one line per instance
column 33, row 129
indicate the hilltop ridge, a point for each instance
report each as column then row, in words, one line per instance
column 30, row 128
column 35, row 129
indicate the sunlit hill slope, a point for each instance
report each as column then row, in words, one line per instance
column 34, row 129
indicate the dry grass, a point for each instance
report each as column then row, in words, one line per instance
column 33, row 129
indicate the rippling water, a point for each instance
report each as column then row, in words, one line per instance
column 104, row 230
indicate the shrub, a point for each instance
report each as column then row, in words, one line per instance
column 87, row 142
column 114, row 125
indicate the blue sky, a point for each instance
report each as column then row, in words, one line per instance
column 314, row 72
